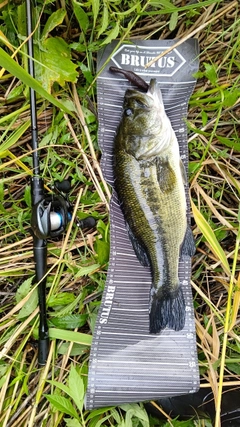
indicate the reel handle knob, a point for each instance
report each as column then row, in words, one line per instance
column 63, row 186
column 88, row 222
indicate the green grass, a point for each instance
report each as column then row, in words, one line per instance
column 77, row 261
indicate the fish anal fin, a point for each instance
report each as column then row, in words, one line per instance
column 138, row 249
column 166, row 176
column 188, row 245
column 167, row 310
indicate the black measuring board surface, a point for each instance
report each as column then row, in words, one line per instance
column 127, row 364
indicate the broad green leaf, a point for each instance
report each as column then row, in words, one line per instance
column 135, row 410
column 23, row 289
column 75, row 389
column 86, row 72
column 173, row 21
column 70, row 321
column 61, row 387
column 209, row 235
column 68, row 308
column 32, row 301
column 3, row 380
column 103, row 229
column 56, row 64
column 129, row 11
column 104, row 21
column 62, row 298
column 88, row 115
column 167, row 7
column 62, row 404
column 204, row 117
column 102, row 249
column 16, row 70
column 27, row 196
column 210, row 73
column 55, row 19
column 76, row 386
column 98, row 412
column 95, row 9
column 76, row 349
column 61, row 334
column 232, row 143
column 85, row 271
column 15, row 92
column 29, row 306
column 177, row 423
column 113, row 33
column 163, row 3
column 100, row 422
column 81, row 16
column 116, row 415
column 72, row 422
column 230, row 97
column 234, row 367
column 3, row 369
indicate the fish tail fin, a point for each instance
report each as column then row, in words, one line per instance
column 167, row 310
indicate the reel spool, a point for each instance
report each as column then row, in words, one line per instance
column 51, row 214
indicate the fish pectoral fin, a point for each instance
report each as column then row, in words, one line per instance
column 166, row 176
column 188, row 245
column 183, row 172
column 138, row 249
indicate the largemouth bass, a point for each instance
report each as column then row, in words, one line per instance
column 149, row 180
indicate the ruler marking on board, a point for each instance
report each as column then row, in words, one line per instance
column 118, row 339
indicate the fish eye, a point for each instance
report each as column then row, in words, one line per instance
column 128, row 112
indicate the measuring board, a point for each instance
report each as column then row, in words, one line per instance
column 127, row 364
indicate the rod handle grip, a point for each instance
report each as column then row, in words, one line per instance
column 43, row 349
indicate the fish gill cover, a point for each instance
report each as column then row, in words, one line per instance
column 127, row 363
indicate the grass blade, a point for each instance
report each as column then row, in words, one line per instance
column 61, row 334
column 209, row 235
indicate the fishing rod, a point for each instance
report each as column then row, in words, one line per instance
column 50, row 213
column 37, row 193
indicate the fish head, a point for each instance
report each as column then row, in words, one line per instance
column 145, row 107
column 144, row 121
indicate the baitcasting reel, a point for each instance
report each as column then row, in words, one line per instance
column 52, row 213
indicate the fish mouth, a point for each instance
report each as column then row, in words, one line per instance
column 149, row 99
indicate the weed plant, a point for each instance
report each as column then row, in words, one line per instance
column 67, row 36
